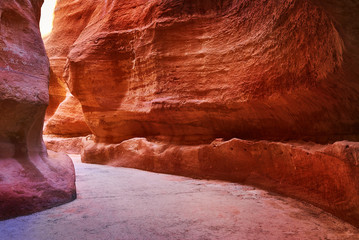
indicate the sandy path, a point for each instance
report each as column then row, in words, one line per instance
column 120, row 203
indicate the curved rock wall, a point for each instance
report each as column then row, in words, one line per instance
column 324, row 175
column 158, row 81
column 30, row 179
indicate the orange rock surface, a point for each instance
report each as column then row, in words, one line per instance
column 57, row 89
column 64, row 116
column 158, row 81
column 193, row 71
column 69, row 145
column 68, row 120
column 30, row 178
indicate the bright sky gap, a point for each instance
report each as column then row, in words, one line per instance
column 47, row 17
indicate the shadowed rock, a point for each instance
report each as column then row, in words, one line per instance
column 30, row 178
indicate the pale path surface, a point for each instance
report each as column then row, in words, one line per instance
column 119, row 203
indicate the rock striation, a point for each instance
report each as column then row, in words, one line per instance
column 30, row 178
column 159, row 81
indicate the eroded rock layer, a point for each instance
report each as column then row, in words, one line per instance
column 325, row 175
column 57, row 89
column 30, row 178
column 69, row 145
column 68, row 119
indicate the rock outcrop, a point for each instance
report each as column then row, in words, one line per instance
column 30, row 178
column 69, row 145
column 159, row 81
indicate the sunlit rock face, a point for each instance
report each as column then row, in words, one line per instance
column 68, row 119
column 64, row 116
column 30, row 179
column 152, row 76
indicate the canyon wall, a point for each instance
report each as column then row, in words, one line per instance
column 159, row 81
column 64, row 116
column 30, row 178
column 192, row 71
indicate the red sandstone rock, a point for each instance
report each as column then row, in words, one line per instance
column 57, row 90
column 30, row 179
column 192, row 71
column 68, row 120
column 187, row 72
column 69, row 145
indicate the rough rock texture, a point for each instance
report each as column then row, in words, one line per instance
column 57, row 90
column 192, row 71
column 68, row 120
column 69, row 145
column 183, row 73
column 64, row 116
column 30, row 179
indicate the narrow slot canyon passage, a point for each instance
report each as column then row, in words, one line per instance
column 179, row 119
column 122, row 203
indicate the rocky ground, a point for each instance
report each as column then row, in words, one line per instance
column 121, row 203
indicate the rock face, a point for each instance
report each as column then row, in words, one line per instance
column 30, row 179
column 68, row 120
column 57, row 90
column 158, row 81
column 69, row 145
column 192, row 71
column 64, row 116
